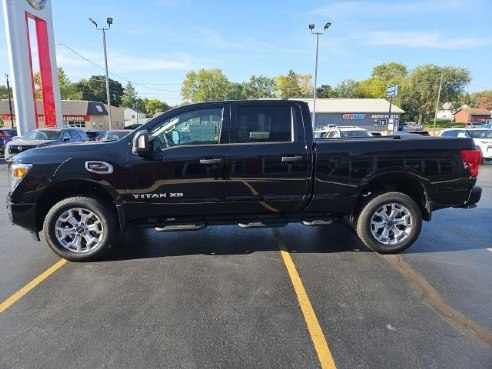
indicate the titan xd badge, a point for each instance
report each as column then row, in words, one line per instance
column 37, row 4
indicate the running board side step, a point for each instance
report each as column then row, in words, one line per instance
column 317, row 222
column 179, row 227
column 262, row 224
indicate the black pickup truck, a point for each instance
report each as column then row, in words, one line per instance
column 250, row 163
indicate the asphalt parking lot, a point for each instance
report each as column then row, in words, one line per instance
column 223, row 297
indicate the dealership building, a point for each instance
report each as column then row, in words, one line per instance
column 371, row 114
column 75, row 113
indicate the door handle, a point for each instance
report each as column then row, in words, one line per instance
column 291, row 159
column 210, row 161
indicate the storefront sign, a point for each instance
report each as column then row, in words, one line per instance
column 383, row 116
column 354, row 116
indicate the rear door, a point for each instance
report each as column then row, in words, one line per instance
column 268, row 164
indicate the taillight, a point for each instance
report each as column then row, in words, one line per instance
column 472, row 159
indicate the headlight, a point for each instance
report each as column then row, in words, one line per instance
column 17, row 173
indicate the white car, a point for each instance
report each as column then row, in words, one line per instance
column 481, row 136
column 334, row 131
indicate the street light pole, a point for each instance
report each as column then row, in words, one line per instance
column 311, row 27
column 10, row 102
column 109, row 21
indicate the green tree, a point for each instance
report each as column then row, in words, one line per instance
column 140, row 105
column 3, row 92
column 94, row 89
column 153, row 106
column 420, row 90
column 293, row 85
column 129, row 98
column 235, row 91
column 325, row 91
column 373, row 88
column 389, row 72
column 482, row 99
column 349, row 88
column 205, row 85
column 382, row 76
column 259, row 87
column 68, row 89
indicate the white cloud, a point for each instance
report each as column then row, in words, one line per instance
column 420, row 40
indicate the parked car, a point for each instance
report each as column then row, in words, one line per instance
column 481, row 136
column 44, row 137
column 95, row 134
column 252, row 163
column 134, row 126
column 115, row 134
column 334, row 131
column 6, row 135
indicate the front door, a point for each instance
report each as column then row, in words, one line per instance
column 185, row 176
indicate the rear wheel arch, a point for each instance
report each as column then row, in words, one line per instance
column 396, row 182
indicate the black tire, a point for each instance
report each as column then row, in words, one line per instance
column 402, row 228
column 68, row 236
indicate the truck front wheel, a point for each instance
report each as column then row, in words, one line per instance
column 80, row 228
column 389, row 223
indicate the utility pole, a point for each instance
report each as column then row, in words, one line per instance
column 311, row 27
column 10, row 102
column 437, row 105
column 109, row 20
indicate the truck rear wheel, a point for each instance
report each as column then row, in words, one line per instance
column 389, row 223
column 80, row 228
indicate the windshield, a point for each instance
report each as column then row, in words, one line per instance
column 39, row 134
column 480, row 133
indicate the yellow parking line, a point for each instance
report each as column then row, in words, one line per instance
column 31, row 285
column 317, row 336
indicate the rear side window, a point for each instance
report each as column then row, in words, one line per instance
column 264, row 124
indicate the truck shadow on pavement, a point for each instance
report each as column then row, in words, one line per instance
column 437, row 236
column 140, row 243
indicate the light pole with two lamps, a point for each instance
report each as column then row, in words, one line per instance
column 311, row 27
column 109, row 21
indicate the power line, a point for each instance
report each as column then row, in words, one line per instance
column 114, row 74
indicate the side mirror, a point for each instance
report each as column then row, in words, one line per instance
column 66, row 139
column 140, row 144
column 176, row 137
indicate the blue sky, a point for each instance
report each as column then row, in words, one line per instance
column 154, row 43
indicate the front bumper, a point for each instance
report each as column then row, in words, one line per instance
column 23, row 215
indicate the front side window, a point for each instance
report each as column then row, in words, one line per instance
column 198, row 127
column 264, row 124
